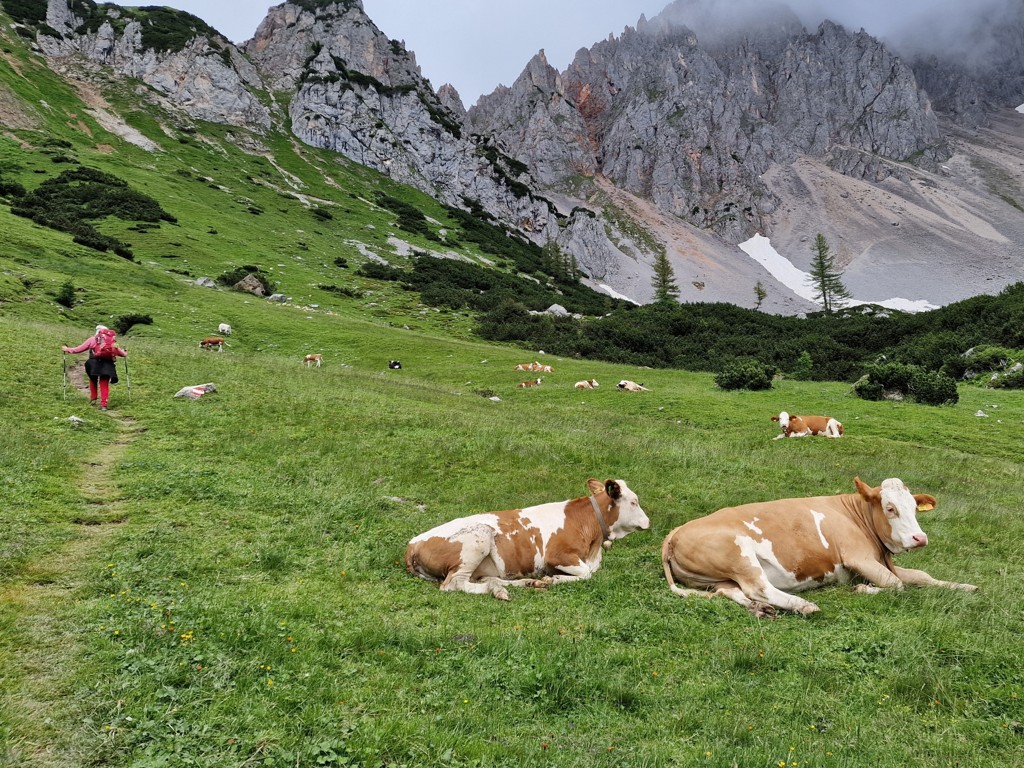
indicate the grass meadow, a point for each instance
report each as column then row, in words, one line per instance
column 220, row 582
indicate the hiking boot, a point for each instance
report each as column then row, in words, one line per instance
column 103, row 407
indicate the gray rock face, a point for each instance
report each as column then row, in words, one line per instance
column 693, row 126
column 362, row 95
column 208, row 79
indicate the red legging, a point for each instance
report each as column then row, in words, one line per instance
column 104, row 389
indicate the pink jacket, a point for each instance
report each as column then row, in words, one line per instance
column 89, row 344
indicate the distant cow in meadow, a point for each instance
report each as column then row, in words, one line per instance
column 631, row 386
column 803, row 426
column 224, row 329
column 757, row 554
column 394, row 365
column 212, row 342
column 312, row 360
column 527, row 384
column 536, row 366
column 535, row 547
column 587, row 384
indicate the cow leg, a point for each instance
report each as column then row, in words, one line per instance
column 922, row 579
column 477, row 545
column 568, row 573
column 762, row 591
column 877, row 574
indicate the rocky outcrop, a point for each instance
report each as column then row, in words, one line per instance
column 206, row 77
column 693, row 125
column 362, row 95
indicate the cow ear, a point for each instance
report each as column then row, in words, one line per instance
column 612, row 489
column 595, row 486
column 775, row 418
column 925, row 502
column 865, row 490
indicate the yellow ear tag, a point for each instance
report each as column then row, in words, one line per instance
column 924, row 507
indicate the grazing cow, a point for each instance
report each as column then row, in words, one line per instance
column 224, row 329
column 312, row 360
column 545, row 369
column 532, row 547
column 802, row 426
column 631, row 386
column 394, row 365
column 588, row 384
column 212, row 342
column 756, row 554
column 527, row 384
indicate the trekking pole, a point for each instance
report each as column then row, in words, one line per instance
column 64, row 364
column 127, row 377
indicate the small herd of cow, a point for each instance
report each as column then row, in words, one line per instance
column 756, row 554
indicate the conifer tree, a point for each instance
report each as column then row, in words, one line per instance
column 664, row 282
column 760, row 293
column 825, row 278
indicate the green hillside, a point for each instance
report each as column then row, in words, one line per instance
column 220, row 582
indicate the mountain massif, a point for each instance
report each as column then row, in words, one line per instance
column 682, row 137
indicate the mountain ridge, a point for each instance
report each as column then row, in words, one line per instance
column 719, row 136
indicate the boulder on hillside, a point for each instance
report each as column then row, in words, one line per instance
column 206, row 282
column 250, row 284
column 278, row 297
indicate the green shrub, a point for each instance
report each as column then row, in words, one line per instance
column 66, row 294
column 377, row 271
column 932, row 388
column 803, row 367
column 123, row 323
column 1012, row 380
column 746, row 374
column 899, row 381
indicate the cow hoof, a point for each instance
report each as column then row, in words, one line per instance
column 763, row 611
column 807, row 610
column 967, row 587
column 502, row 594
column 539, row 583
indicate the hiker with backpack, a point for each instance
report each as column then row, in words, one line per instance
column 100, row 367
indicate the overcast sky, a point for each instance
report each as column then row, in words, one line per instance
column 478, row 44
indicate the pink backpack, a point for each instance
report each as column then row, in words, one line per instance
column 106, row 343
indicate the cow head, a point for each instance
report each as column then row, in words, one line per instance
column 624, row 514
column 894, row 513
column 783, row 419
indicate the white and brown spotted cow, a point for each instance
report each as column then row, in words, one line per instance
column 756, row 554
column 587, row 384
column 532, row 547
column 804, row 426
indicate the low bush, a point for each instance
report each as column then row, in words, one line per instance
column 124, row 323
column 933, row 388
column 65, row 295
column 898, row 381
column 745, row 374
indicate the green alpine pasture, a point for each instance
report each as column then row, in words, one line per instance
column 220, row 582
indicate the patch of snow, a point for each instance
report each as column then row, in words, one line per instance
column 760, row 249
column 1021, row 108
column 615, row 294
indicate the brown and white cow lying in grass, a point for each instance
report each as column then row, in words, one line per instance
column 313, row 360
column 756, row 554
column 530, row 383
column 587, row 384
column 803, row 426
column 532, row 547
column 212, row 342
column 631, row 386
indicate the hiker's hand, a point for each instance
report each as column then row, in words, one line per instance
column 65, row 349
